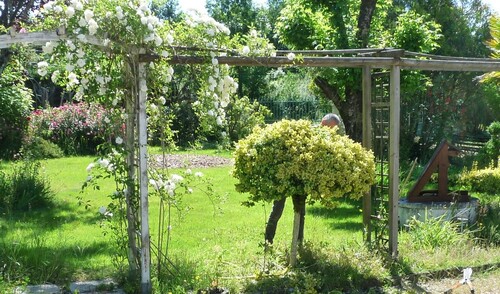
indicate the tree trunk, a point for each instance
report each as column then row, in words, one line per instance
column 295, row 236
column 366, row 11
column 350, row 109
column 350, row 103
column 299, row 203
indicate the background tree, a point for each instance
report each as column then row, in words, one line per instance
column 438, row 104
column 492, row 80
column 241, row 18
column 304, row 162
column 328, row 24
column 166, row 9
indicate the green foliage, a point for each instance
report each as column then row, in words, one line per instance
column 494, row 45
column 15, row 105
column 291, row 158
column 301, row 27
column 35, row 148
column 434, row 233
column 492, row 99
column 323, row 268
column 416, row 33
column 25, row 188
column 290, row 85
column 485, row 180
column 243, row 116
column 492, row 147
column 239, row 15
column 488, row 223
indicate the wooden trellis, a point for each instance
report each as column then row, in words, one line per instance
column 367, row 59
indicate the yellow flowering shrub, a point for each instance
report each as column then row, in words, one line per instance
column 294, row 157
column 485, row 180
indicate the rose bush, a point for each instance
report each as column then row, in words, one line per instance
column 76, row 128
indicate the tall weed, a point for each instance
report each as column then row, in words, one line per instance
column 434, row 232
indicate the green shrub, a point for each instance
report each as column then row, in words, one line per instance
column 39, row 148
column 488, row 223
column 485, row 180
column 243, row 116
column 25, row 188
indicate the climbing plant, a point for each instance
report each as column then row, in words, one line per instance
column 99, row 59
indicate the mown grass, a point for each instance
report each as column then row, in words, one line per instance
column 221, row 241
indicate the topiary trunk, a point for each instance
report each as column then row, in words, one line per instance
column 299, row 203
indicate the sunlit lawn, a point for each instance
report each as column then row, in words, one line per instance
column 227, row 229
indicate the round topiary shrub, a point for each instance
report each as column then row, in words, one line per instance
column 299, row 160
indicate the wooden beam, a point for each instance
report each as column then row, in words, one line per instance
column 367, row 143
column 451, row 65
column 347, row 62
column 394, row 134
column 37, row 38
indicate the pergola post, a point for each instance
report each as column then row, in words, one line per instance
column 394, row 134
column 143, row 183
column 367, row 143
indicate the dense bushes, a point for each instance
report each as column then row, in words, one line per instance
column 76, row 128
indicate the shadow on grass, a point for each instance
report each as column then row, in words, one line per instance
column 343, row 217
column 39, row 263
column 45, row 219
column 30, row 250
column 324, row 270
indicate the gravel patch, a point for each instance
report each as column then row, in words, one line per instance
column 187, row 160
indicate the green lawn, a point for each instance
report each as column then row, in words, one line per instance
column 222, row 240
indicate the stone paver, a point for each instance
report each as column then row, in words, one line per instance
column 107, row 286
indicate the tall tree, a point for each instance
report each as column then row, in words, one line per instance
column 237, row 15
column 328, row 24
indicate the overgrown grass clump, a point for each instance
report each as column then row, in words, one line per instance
column 26, row 188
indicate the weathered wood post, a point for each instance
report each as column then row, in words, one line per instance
column 394, row 134
column 367, row 143
column 143, row 182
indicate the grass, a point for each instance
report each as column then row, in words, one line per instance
column 221, row 242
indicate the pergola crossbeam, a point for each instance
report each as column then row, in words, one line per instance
column 483, row 65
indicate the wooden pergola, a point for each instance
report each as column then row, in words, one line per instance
column 393, row 60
